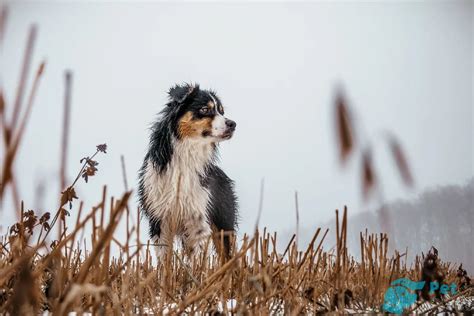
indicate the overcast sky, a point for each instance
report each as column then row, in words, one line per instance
column 405, row 67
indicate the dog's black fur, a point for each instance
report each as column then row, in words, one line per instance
column 222, row 205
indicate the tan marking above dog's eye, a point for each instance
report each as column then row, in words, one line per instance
column 221, row 109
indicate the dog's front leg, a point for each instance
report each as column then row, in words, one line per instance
column 163, row 244
column 196, row 236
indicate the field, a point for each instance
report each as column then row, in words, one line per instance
column 63, row 276
column 47, row 266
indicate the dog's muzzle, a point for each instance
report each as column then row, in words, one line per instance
column 230, row 128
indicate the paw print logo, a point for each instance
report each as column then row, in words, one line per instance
column 400, row 295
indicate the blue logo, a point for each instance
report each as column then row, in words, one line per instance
column 401, row 294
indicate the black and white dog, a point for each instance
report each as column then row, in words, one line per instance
column 181, row 189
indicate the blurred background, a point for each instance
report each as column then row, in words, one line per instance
column 405, row 67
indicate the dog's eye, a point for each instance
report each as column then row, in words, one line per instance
column 204, row 110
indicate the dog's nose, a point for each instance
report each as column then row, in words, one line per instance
column 230, row 124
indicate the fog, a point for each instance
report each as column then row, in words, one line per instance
column 441, row 217
column 405, row 67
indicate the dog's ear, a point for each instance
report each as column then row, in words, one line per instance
column 179, row 93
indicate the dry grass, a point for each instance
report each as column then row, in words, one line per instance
column 64, row 275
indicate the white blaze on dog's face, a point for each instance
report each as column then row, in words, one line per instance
column 219, row 123
column 203, row 119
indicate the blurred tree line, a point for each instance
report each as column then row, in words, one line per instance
column 442, row 217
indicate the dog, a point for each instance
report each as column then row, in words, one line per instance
column 182, row 191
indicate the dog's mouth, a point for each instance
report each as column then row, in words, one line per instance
column 227, row 132
column 227, row 135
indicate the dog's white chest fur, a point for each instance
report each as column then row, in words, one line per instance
column 176, row 195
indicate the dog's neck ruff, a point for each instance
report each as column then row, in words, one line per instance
column 177, row 191
column 191, row 156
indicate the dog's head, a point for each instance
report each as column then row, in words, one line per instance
column 199, row 114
